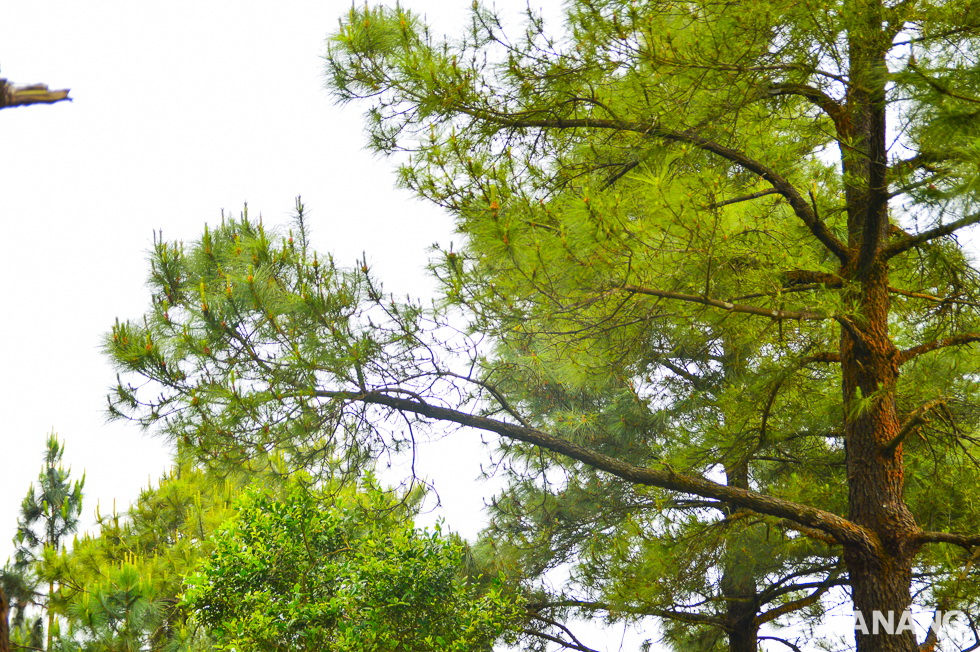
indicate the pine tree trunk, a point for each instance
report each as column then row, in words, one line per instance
column 880, row 577
column 744, row 638
column 738, row 588
column 4, row 622
column 50, row 632
column 880, row 573
column 743, row 632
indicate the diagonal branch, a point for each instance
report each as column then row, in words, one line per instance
column 698, row 382
column 838, row 527
column 726, row 305
column 915, row 240
column 750, row 197
column 554, row 639
column 554, row 623
column 779, row 183
column 791, row 646
column 793, row 605
column 931, row 297
column 914, row 421
column 956, row 340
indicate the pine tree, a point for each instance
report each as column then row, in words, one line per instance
column 762, row 298
column 48, row 514
column 722, row 112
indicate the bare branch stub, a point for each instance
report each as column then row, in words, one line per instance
column 11, row 95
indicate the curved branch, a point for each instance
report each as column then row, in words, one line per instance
column 791, row 646
column 968, row 541
column 779, row 183
column 915, row 420
column 555, row 639
column 562, row 627
column 793, row 605
column 836, row 526
column 818, row 98
column 697, row 381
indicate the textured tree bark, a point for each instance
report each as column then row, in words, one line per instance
column 881, row 572
column 4, row 622
column 741, row 611
column 11, row 96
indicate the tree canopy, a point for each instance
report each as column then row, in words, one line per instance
column 714, row 291
column 49, row 514
column 318, row 569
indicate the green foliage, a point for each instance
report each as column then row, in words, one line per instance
column 341, row 569
column 121, row 586
column 244, row 325
column 48, row 514
column 625, row 230
column 51, row 508
column 686, row 323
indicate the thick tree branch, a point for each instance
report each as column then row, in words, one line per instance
column 11, row 96
column 838, row 527
column 726, row 305
column 915, row 240
column 780, row 184
column 956, row 340
column 931, row 297
column 825, row 356
column 808, row 277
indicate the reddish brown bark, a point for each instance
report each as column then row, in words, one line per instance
column 4, row 622
column 881, row 574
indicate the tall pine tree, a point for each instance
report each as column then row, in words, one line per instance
column 48, row 514
column 793, row 315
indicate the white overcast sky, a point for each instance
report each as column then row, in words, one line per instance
column 180, row 109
